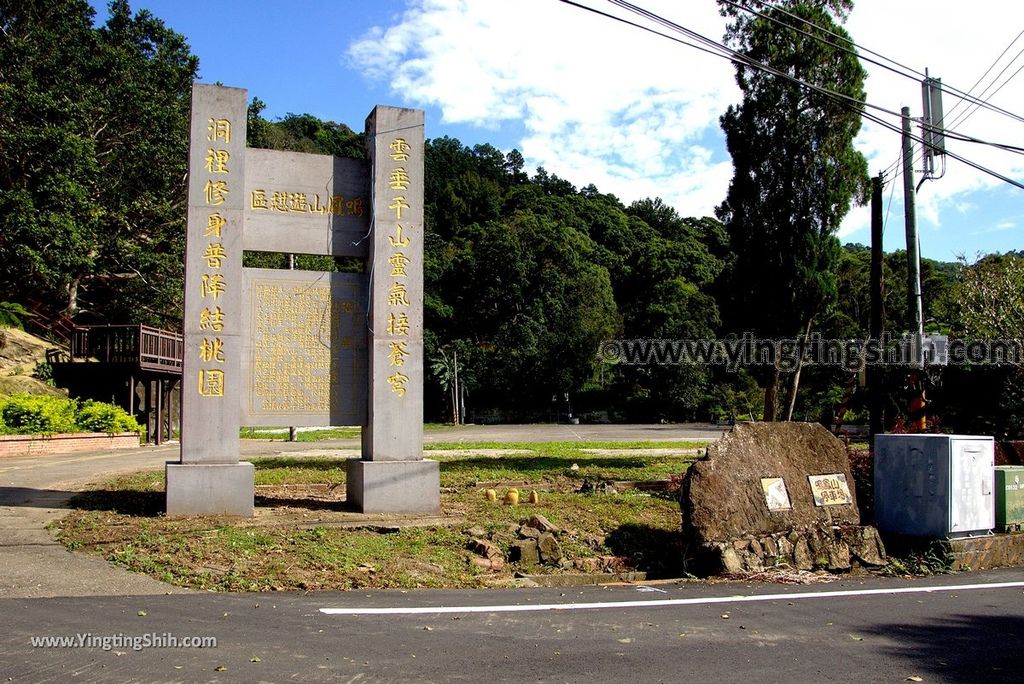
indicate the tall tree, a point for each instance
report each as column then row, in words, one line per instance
column 94, row 128
column 796, row 172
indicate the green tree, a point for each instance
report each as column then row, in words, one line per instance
column 796, row 172
column 988, row 305
column 94, row 130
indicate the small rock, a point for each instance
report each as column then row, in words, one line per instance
column 484, row 548
column 525, row 552
column 838, row 556
column 476, row 532
column 527, row 532
column 588, row 564
column 866, row 546
column 541, row 523
column 547, row 546
column 492, row 565
column 729, row 559
column 802, row 555
column 752, row 562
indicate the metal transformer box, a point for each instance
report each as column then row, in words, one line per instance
column 1009, row 497
column 938, row 486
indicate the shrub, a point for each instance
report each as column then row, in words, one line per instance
column 32, row 414
column 43, row 371
column 95, row 416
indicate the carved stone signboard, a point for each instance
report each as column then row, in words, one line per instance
column 304, row 354
column 306, row 203
column 268, row 347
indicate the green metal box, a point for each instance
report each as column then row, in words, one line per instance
column 1009, row 497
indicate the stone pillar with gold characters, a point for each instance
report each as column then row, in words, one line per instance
column 209, row 477
column 392, row 476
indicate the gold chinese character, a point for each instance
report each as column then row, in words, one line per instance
column 214, row 255
column 398, row 204
column 346, row 342
column 354, row 207
column 317, row 208
column 211, row 382
column 259, row 199
column 398, row 325
column 279, row 201
column 218, row 128
column 211, row 319
column 212, row 350
column 398, row 179
column 336, row 205
column 212, row 285
column 397, row 352
column 215, row 192
column 217, row 160
column 398, row 262
column 213, row 225
column 399, row 149
column 297, row 202
column 398, row 295
column 348, row 307
column 398, row 240
column 397, row 382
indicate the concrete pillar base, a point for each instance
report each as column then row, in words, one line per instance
column 210, row 489
column 394, row 486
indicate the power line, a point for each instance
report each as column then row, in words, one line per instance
column 916, row 74
column 987, row 71
column 837, row 46
column 736, row 56
column 968, row 114
column 713, row 47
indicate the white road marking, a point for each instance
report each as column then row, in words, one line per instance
column 618, row 605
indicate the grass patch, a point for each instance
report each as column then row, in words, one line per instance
column 122, row 522
column 553, row 462
column 317, row 435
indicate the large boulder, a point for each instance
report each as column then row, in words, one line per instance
column 723, row 498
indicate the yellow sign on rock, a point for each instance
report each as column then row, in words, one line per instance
column 830, row 490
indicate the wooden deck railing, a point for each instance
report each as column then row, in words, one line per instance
column 150, row 348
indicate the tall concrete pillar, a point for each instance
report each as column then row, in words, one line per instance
column 392, row 475
column 209, row 479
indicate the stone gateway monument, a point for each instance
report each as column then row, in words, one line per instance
column 276, row 348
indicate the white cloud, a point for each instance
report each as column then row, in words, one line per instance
column 956, row 45
column 599, row 102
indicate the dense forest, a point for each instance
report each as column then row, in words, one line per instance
column 525, row 274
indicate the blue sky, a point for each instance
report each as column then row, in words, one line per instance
column 598, row 102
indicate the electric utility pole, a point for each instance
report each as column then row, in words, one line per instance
column 877, row 396
column 915, row 316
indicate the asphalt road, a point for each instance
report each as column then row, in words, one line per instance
column 964, row 635
column 676, row 633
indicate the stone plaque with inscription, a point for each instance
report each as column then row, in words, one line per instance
column 830, row 490
column 304, row 355
column 776, row 497
column 306, row 203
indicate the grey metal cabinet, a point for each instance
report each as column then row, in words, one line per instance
column 939, row 486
